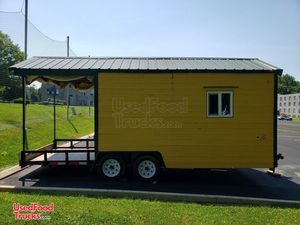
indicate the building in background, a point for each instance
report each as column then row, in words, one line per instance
column 84, row 98
column 289, row 104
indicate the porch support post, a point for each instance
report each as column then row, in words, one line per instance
column 54, row 113
column 24, row 113
column 96, row 113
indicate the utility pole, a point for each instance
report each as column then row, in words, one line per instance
column 53, row 91
column 68, row 46
column 26, row 28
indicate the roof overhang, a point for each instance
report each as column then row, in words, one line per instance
column 75, row 70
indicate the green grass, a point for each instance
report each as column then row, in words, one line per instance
column 39, row 128
column 89, row 210
column 297, row 119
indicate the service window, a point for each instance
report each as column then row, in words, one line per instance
column 219, row 103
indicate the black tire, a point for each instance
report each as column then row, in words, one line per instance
column 146, row 168
column 109, row 165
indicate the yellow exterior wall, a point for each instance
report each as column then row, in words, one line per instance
column 192, row 140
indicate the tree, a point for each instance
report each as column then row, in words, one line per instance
column 10, row 54
column 298, row 87
column 288, row 85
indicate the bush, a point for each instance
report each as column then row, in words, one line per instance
column 20, row 100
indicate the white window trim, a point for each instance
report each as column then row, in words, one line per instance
column 219, row 103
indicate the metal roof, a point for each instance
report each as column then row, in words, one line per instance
column 91, row 65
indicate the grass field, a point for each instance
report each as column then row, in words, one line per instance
column 89, row 210
column 39, row 128
column 297, row 119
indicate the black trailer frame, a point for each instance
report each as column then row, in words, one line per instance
column 27, row 157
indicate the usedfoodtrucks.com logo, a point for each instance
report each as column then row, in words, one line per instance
column 150, row 113
column 32, row 211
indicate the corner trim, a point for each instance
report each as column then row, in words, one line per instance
column 275, row 160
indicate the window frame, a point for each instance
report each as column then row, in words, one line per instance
column 219, row 93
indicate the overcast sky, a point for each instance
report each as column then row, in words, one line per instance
column 265, row 29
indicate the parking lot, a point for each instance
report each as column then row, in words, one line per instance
column 231, row 182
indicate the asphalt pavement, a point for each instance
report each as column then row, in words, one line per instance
column 289, row 146
column 231, row 182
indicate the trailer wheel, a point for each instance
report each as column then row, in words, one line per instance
column 111, row 167
column 146, row 168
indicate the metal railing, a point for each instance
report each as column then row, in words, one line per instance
column 29, row 157
column 84, row 143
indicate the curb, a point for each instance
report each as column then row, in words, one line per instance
column 161, row 196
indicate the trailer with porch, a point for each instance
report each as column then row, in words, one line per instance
column 154, row 113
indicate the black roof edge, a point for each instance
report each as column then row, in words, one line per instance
column 94, row 72
column 55, row 72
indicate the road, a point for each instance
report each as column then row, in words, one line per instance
column 232, row 182
column 289, row 146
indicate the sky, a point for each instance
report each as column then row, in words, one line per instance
column 264, row 29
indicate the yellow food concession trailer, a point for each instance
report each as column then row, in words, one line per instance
column 154, row 113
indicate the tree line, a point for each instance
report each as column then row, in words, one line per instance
column 11, row 85
column 287, row 84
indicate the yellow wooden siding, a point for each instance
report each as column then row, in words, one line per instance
column 243, row 141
